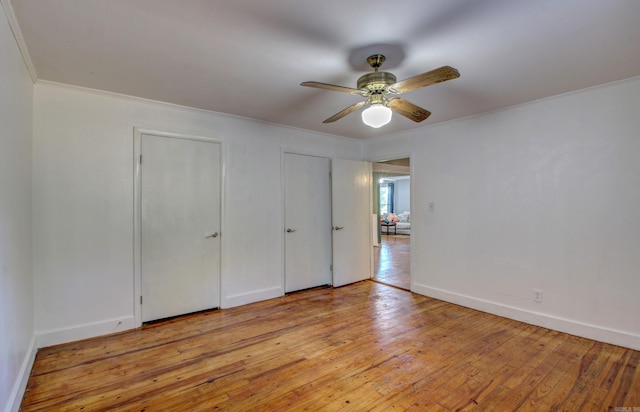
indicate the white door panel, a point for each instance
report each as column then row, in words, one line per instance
column 180, row 225
column 307, row 218
column 351, row 200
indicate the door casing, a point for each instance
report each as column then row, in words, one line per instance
column 412, row 186
column 351, row 204
column 137, row 210
column 309, row 248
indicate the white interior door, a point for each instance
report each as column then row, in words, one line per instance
column 307, row 218
column 351, row 204
column 180, row 181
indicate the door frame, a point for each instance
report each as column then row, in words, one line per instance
column 137, row 209
column 368, row 214
column 412, row 185
column 283, row 151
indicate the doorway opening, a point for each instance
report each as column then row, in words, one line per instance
column 391, row 185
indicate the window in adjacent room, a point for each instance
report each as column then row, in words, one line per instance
column 386, row 198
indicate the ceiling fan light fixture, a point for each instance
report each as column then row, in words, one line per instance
column 376, row 88
column 376, row 115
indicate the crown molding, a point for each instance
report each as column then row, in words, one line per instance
column 17, row 35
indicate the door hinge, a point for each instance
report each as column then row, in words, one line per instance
column 329, row 175
column 331, row 268
column 141, row 299
column 140, row 159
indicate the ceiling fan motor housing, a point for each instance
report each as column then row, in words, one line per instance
column 376, row 82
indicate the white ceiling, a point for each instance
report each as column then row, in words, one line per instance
column 248, row 57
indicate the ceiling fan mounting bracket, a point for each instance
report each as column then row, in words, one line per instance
column 375, row 61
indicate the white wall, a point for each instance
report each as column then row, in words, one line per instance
column 544, row 196
column 83, row 204
column 16, row 283
column 539, row 196
column 402, row 195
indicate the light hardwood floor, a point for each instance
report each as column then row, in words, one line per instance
column 365, row 346
column 392, row 261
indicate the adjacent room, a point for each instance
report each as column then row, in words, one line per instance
column 391, row 185
column 287, row 205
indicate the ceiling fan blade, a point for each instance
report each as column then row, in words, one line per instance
column 441, row 74
column 332, row 87
column 345, row 112
column 408, row 109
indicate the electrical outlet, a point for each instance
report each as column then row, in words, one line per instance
column 537, row 295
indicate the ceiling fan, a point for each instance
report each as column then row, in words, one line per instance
column 378, row 86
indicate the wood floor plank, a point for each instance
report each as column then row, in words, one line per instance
column 622, row 387
column 391, row 260
column 430, row 385
column 365, row 346
column 549, row 374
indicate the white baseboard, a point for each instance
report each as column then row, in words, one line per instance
column 89, row 330
column 251, row 297
column 17, row 392
column 585, row 330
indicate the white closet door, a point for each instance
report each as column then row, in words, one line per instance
column 180, row 225
column 351, row 199
column 307, row 218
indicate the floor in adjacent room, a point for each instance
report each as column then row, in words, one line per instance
column 392, row 261
column 365, row 346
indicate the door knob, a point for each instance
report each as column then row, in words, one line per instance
column 339, row 227
column 289, row 230
column 215, row 234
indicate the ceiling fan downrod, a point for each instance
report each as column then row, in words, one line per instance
column 376, row 82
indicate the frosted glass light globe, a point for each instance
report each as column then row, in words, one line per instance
column 376, row 115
